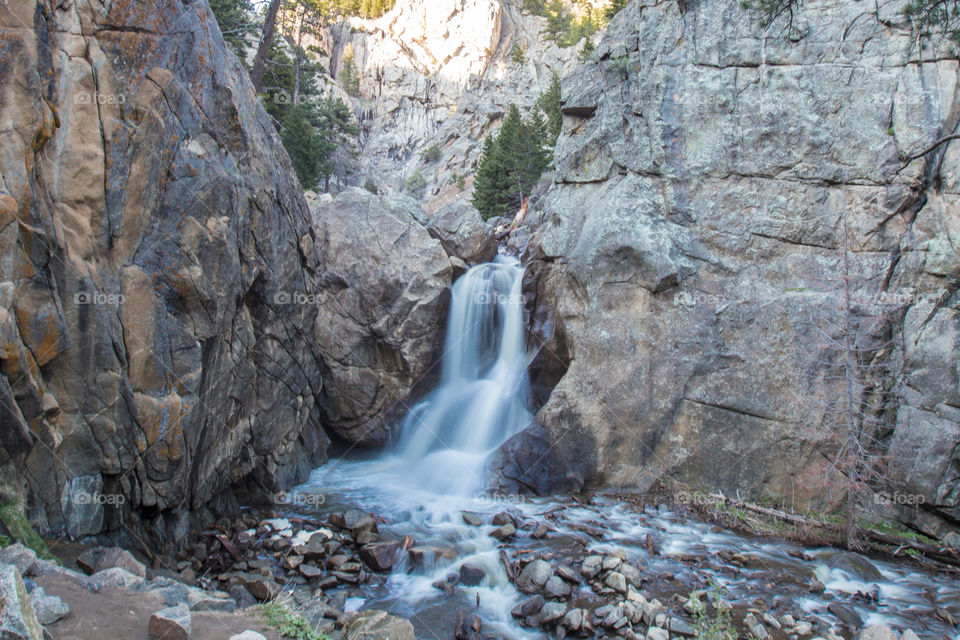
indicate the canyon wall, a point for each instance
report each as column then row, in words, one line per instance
column 735, row 252
column 168, row 323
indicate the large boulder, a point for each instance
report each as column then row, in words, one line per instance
column 380, row 303
column 378, row 624
column 730, row 225
column 463, row 233
column 18, row 621
column 149, row 217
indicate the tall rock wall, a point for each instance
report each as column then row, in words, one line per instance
column 160, row 341
column 441, row 71
column 730, row 252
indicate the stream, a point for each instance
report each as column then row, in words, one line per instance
column 434, row 474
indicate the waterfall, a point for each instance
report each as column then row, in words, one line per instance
column 483, row 396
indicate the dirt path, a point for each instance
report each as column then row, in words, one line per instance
column 119, row 614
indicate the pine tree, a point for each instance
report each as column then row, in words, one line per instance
column 491, row 188
column 549, row 103
column 511, row 163
column 234, row 21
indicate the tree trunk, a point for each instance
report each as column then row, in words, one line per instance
column 263, row 49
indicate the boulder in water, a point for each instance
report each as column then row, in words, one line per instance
column 503, row 533
column 551, row 612
column 472, row 519
column 471, row 575
column 534, row 576
column 380, row 556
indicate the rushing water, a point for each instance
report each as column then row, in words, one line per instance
column 437, row 468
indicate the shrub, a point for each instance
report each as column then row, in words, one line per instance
column 371, row 186
column 431, row 154
column 516, row 53
column 415, row 184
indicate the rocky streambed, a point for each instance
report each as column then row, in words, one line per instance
column 356, row 537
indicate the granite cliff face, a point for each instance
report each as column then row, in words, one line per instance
column 161, row 346
column 731, row 245
column 441, row 72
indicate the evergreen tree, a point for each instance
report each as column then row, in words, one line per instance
column 349, row 76
column 511, row 163
column 549, row 103
column 233, row 17
column 491, row 189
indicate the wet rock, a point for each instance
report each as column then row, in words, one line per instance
column 471, row 575
column 551, row 612
column 503, row 518
column 755, row 627
column 534, row 576
column 803, row 628
column 846, row 615
column 354, row 520
column 467, row 625
column 567, row 573
column 591, row 567
column 504, row 533
column 378, row 624
column 472, row 519
column 540, row 531
column 172, row 623
column 529, row 607
column 771, row 621
column 908, row 634
column 573, row 619
column 611, row 562
column 556, row 587
column 18, row 620
column 49, row 609
column 682, row 627
column 656, row 633
column 380, row 556
column 262, row 588
column 876, row 632
column 651, row 610
column 616, row 581
column 310, row 571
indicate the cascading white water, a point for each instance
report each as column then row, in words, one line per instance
column 484, row 390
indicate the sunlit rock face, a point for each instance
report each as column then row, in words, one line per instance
column 440, row 72
column 728, row 221
column 161, row 348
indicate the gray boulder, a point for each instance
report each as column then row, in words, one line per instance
column 380, row 306
column 18, row 621
column 463, row 233
column 172, row 623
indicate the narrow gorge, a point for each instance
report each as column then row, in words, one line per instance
column 322, row 350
